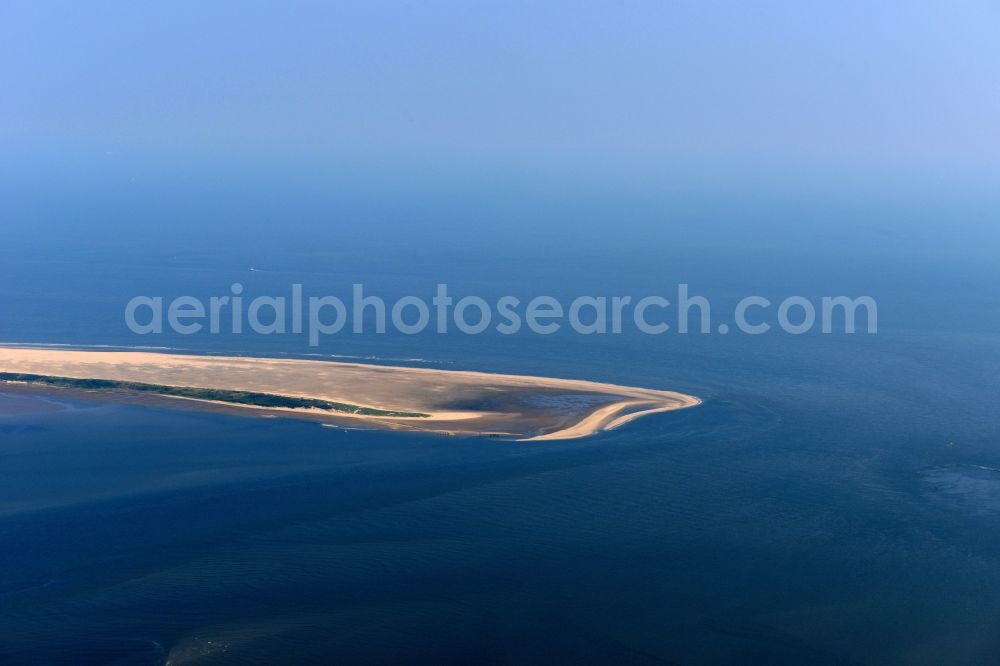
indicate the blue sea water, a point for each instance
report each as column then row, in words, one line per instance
column 836, row 499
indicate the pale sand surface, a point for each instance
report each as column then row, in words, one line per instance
column 458, row 402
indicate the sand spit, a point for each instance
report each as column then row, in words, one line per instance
column 449, row 401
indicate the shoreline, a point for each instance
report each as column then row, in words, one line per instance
column 456, row 402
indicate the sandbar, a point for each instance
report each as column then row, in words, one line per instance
column 453, row 402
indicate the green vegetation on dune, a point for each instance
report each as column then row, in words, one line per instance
column 219, row 395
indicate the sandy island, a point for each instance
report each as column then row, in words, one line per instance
column 449, row 402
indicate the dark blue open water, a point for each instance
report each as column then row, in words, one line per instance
column 835, row 500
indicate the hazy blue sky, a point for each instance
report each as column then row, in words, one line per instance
column 908, row 86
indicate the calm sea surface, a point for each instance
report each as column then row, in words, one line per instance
column 835, row 500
